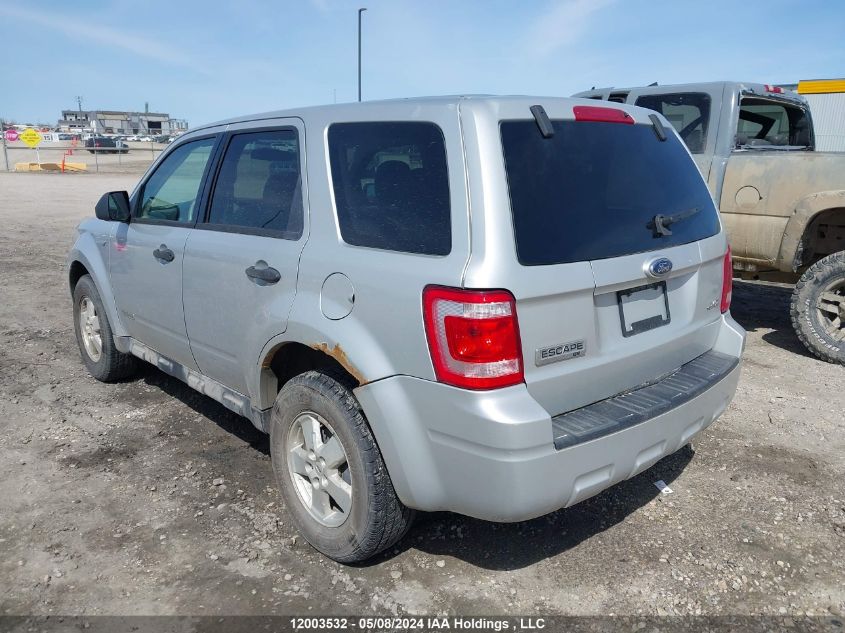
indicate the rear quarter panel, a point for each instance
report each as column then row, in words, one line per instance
column 761, row 194
column 384, row 334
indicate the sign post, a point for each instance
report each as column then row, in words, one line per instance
column 5, row 151
column 32, row 137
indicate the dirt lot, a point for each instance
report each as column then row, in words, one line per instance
column 107, row 504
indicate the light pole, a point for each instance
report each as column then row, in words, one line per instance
column 360, row 11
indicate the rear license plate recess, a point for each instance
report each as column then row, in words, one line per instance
column 643, row 308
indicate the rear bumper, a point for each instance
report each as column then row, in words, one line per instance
column 492, row 455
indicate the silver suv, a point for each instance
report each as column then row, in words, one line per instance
column 493, row 306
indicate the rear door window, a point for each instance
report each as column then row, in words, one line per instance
column 593, row 189
column 391, row 186
column 258, row 187
column 688, row 112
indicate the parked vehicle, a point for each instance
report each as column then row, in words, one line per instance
column 106, row 145
column 492, row 306
column 782, row 202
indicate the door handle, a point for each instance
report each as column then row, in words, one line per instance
column 164, row 254
column 265, row 273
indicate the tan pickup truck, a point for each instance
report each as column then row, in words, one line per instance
column 782, row 202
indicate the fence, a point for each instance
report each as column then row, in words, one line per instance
column 51, row 156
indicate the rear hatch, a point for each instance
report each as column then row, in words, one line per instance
column 608, row 297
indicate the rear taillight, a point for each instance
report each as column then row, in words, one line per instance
column 473, row 337
column 727, row 281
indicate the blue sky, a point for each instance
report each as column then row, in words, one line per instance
column 204, row 61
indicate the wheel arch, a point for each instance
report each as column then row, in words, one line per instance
column 289, row 358
column 347, row 346
column 798, row 236
column 76, row 271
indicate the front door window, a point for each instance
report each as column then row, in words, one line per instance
column 171, row 192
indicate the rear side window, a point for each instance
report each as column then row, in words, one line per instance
column 766, row 123
column 258, row 187
column 688, row 112
column 593, row 189
column 391, row 186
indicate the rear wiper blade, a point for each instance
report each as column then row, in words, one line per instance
column 660, row 223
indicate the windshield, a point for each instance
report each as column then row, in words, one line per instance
column 593, row 190
column 772, row 124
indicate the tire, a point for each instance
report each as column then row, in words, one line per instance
column 374, row 518
column 109, row 365
column 818, row 308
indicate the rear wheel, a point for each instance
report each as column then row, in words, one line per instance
column 94, row 335
column 818, row 308
column 331, row 472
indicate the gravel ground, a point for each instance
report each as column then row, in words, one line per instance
column 148, row 498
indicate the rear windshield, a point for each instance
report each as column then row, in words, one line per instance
column 688, row 112
column 592, row 191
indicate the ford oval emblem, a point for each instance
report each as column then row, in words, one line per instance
column 659, row 267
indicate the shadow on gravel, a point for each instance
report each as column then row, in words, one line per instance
column 757, row 305
column 230, row 422
column 494, row 546
column 510, row 546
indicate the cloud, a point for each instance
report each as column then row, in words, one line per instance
column 108, row 36
column 563, row 24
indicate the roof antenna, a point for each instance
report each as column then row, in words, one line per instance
column 653, row 83
column 543, row 121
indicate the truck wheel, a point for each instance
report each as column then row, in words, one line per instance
column 330, row 470
column 94, row 336
column 818, row 308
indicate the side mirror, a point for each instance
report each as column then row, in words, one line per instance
column 113, row 206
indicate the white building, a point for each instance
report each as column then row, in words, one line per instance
column 827, row 105
column 117, row 122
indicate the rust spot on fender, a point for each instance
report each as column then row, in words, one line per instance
column 340, row 356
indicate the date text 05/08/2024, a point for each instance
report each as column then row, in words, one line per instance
column 421, row 623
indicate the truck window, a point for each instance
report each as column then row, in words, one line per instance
column 592, row 190
column 770, row 123
column 688, row 112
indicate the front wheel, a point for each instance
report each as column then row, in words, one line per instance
column 818, row 308
column 94, row 335
column 330, row 470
